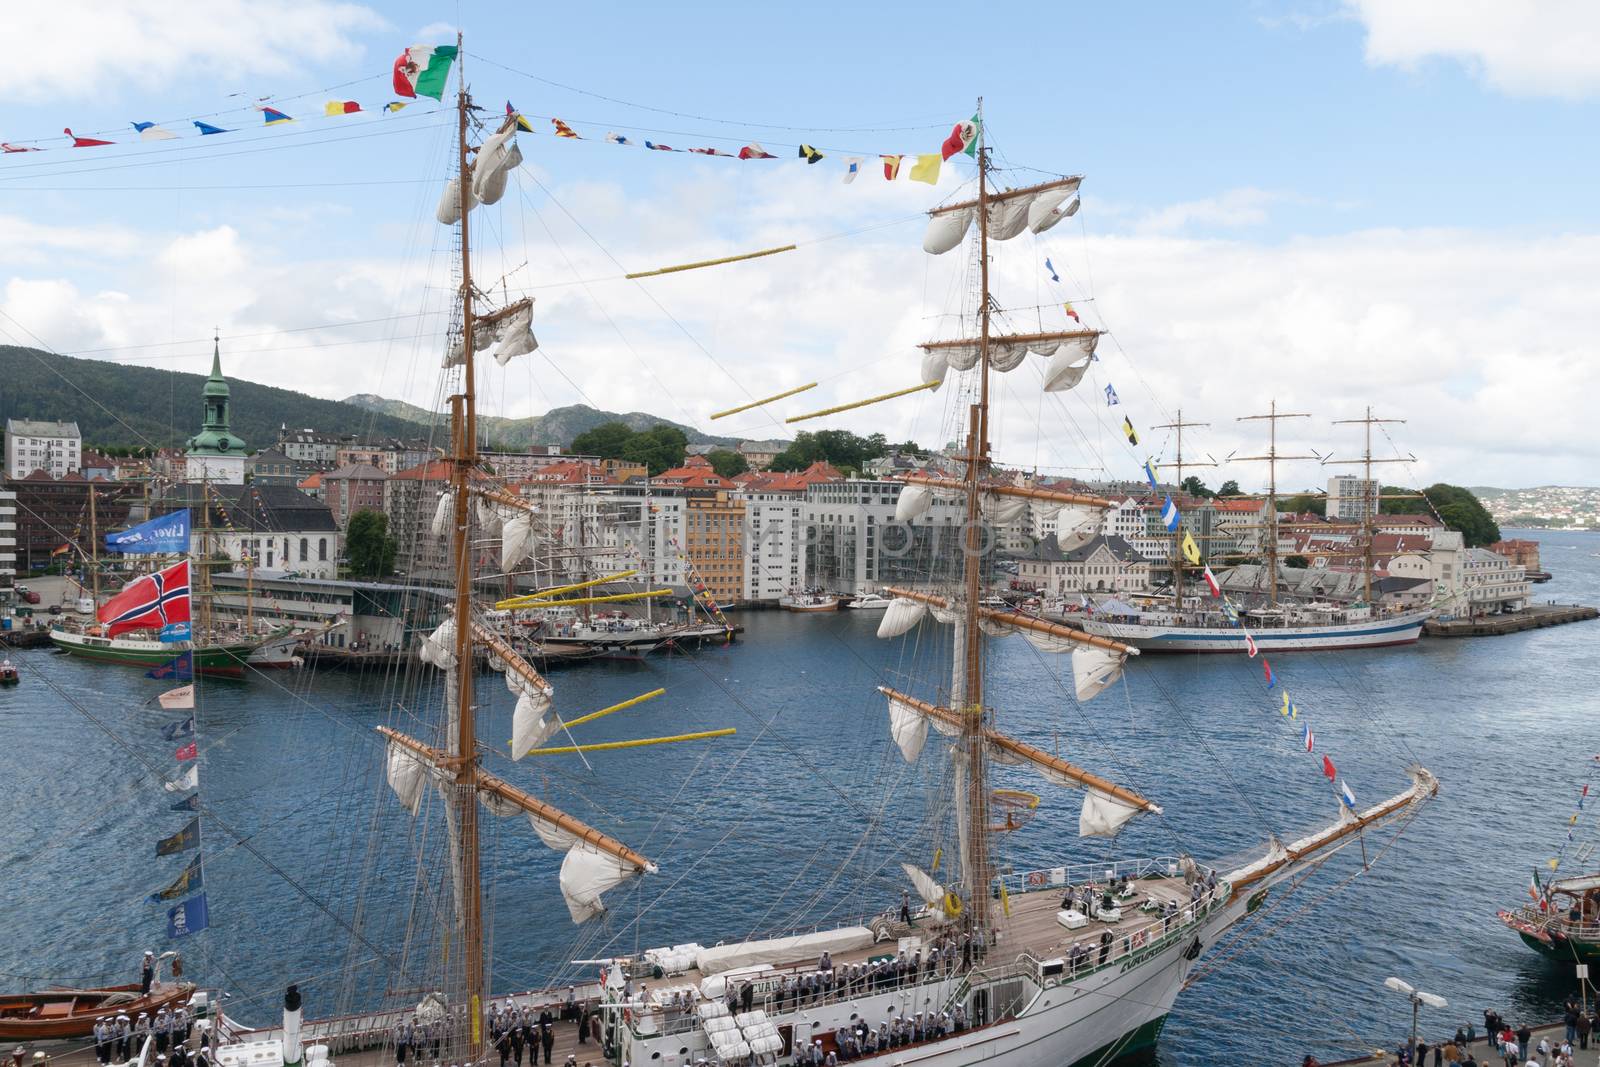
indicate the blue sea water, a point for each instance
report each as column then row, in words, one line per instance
column 314, row 875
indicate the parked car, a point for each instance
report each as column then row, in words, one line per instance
column 55, row 609
column 30, row 596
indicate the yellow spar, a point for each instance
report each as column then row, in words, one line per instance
column 612, row 598
column 864, row 403
column 708, row 263
column 767, row 400
column 593, row 715
column 543, row 593
column 639, row 743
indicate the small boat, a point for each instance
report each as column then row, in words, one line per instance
column 809, row 602
column 8, row 673
column 1563, row 921
column 56, row 1014
column 870, row 602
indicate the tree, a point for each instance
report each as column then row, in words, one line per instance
column 1297, row 561
column 1460, row 510
column 1310, row 500
column 606, row 440
column 841, row 448
column 659, row 448
column 1196, row 488
column 368, row 546
column 1229, row 488
column 727, row 463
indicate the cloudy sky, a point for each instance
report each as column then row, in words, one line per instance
column 1330, row 205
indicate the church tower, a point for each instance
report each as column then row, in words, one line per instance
column 215, row 454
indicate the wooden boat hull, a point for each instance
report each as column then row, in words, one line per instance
column 216, row 660
column 59, row 1014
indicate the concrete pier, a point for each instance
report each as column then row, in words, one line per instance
column 1534, row 617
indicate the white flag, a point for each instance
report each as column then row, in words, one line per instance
column 178, row 699
column 852, row 168
column 190, row 780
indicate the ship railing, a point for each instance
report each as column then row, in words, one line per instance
column 1128, row 943
column 1094, row 874
column 1556, row 922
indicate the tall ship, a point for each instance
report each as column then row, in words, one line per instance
column 975, row 959
column 1275, row 622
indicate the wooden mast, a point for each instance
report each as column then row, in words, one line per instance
column 464, row 431
column 1371, row 494
column 1177, row 535
column 1271, row 458
column 94, row 550
column 976, row 862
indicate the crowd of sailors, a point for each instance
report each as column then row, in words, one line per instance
column 119, row 1038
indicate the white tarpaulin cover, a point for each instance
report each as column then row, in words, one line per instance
column 1093, row 669
column 900, row 616
column 912, row 502
column 516, row 541
column 1102, row 815
column 532, row 723
column 585, row 874
column 407, row 775
column 783, row 949
column 908, row 727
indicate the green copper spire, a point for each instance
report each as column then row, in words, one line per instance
column 215, row 437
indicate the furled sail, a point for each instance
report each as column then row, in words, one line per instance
column 532, row 723
column 516, row 541
column 908, row 727
column 497, row 158
column 933, row 367
column 1035, row 209
column 900, row 616
column 1003, row 510
column 1064, row 370
column 585, row 874
column 930, row 891
column 912, row 502
column 1093, row 669
column 438, row 648
column 1102, row 815
column 407, row 775
column 1006, row 353
column 946, row 231
column 1076, row 525
column 441, row 514
column 449, row 210
column 516, row 339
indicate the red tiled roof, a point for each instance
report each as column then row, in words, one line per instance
column 570, row 472
column 313, row 482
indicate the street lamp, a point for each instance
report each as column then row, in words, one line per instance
column 1417, row 998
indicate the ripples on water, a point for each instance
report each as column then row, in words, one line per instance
column 766, row 830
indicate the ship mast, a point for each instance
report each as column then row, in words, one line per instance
column 1176, row 551
column 975, row 863
column 94, row 549
column 464, row 457
column 1271, row 458
column 1370, row 493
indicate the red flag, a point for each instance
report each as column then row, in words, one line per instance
column 1327, row 769
column 149, row 603
column 4, row 147
column 187, row 752
column 960, row 137
column 83, row 142
column 755, row 151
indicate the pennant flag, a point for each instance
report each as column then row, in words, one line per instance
column 340, row 107
column 394, row 105
column 187, row 918
column 83, row 142
column 659, row 147
column 206, row 129
column 191, row 879
column 179, row 669
column 179, row 727
column 809, row 154
column 1250, row 644
column 891, row 167
column 1111, row 397
column 1127, row 431
column 187, row 752
column 1309, row 740
column 149, row 131
column 1272, row 679
column 926, row 169
column 182, row 841
column 1211, row 582
column 60, row 550
column 852, row 167
column 1553, row 863
column 521, row 123
column 617, row 138
column 271, row 116
column 1072, row 312
column 1230, row 613
column 1191, row 551
column 1535, row 890
column 1051, row 268
column 4, row 147
column 190, row 779
column 188, row 803
column 719, row 152
column 1150, row 475
column 961, row 136
column 1285, row 704
column 423, row 70
column 1170, row 516
column 750, row 151
column 1573, row 821
column 1328, row 769
column 563, row 130
column 1347, row 795
column 149, row 603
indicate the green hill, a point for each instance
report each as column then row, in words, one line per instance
column 121, row 405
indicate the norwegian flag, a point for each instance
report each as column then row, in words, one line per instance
column 150, row 602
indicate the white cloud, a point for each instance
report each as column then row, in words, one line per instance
column 1524, row 49
column 1236, row 207
column 79, row 48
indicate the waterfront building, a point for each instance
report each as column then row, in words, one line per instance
column 855, row 546
column 51, row 512
column 1520, row 551
column 352, row 488
column 277, row 527
column 350, row 614
column 1139, row 524
column 1493, row 584
column 409, row 499
column 1351, row 498
column 1101, row 565
column 216, row 454
column 39, row 445
column 8, row 538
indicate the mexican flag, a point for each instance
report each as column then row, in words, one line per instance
column 422, row 69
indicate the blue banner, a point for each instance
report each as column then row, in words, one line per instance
column 174, row 631
column 165, row 535
column 187, row 918
column 179, row 669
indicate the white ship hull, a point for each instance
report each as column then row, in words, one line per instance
column 1402, row 629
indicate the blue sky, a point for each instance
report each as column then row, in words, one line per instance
column 1325, row 203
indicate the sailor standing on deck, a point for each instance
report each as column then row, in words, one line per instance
column 141, row 1031
column 163, row 1031
column 123, row 1033
column 101, row 1040
column 147, row 973
column 402, row 1041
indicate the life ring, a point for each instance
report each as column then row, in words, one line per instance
column 1037, row 878
column 952, row 904
column 1139, row 939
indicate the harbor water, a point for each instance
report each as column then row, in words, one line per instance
column 313, row 873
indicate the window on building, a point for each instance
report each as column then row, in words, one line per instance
column 322, row 550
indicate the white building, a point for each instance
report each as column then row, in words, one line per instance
column 774, row 543
column 1103, row 565
column 1351, row 498
column 854, row 545
column 275, row 528
column 1140, row 527
column 8, row 538
column 1493, row 583
column 34, row 445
